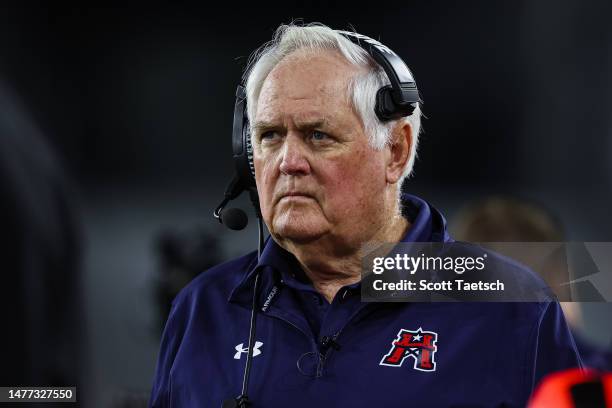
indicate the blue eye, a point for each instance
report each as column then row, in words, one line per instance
column 319, row 136
column 267, row 135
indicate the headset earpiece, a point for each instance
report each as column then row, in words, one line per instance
column 398, row 99
column 387, row 108
column 241, row 141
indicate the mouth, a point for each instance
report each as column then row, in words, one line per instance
column 297, row 196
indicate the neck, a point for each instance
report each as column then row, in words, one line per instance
column 330, row 270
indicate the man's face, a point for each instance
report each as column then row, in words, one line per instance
column 316, row 174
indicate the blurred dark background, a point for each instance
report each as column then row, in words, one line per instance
column 137, row 102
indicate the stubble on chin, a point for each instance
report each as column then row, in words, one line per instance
column 298, row 225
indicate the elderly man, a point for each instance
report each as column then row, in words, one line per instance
column 329, row 176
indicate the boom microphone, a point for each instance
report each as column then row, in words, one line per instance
column 234, row 218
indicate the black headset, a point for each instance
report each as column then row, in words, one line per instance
column 393, row 101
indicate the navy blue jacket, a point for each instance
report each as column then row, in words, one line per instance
column 455, row 354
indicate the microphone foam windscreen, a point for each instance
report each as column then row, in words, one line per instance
column 234, row 218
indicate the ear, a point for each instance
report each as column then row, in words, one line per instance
column 399, row 148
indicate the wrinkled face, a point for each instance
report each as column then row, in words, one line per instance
column 316, row 174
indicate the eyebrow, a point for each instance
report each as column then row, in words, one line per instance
column 306, row 124
column 263, row 125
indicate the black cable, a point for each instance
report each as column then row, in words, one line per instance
column 261, row 238
column 243, row 398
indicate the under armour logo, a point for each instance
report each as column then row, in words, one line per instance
column 241, row 349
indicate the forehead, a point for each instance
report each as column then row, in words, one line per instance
column 307, row 83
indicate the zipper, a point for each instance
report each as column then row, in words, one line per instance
column 278, row 316
column 323, row 357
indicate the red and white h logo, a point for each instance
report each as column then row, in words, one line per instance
column 419, row 344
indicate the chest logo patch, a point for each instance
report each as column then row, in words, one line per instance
column 241, row 349
column 418, row 344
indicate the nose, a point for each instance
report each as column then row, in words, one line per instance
column 294, row 160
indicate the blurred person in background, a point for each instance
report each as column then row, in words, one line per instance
column 183, row 255
column 42, row 309
column 574, row 388
column 511, row 219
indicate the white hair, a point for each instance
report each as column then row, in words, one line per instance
column 362, row 87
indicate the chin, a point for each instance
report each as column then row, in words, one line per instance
column 299, row 229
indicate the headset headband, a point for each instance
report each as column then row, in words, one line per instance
column 398, row 99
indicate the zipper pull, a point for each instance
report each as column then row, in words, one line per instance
column 327, row 342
